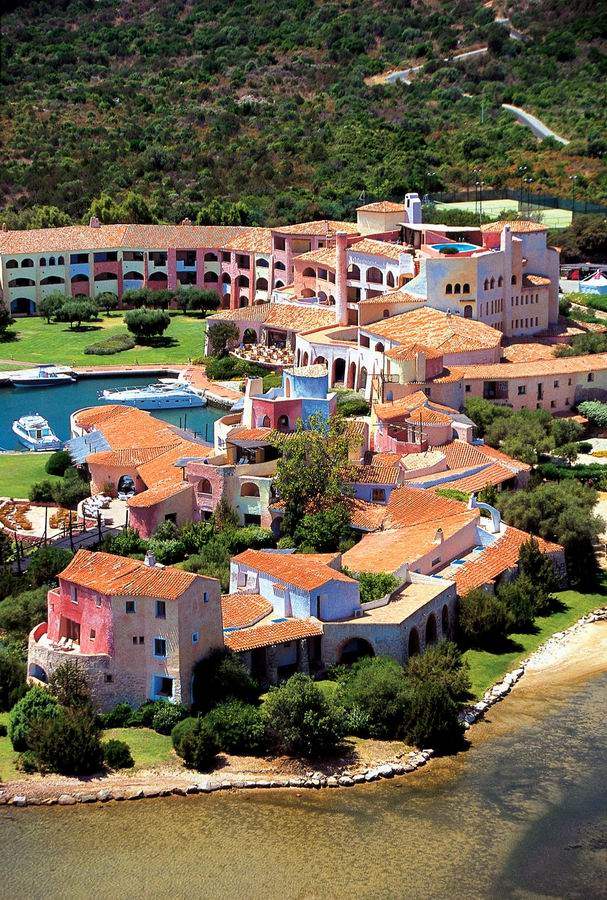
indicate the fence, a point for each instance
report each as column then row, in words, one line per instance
column 528, row 198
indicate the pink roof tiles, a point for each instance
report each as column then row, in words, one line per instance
column 433, row 328
column 318, row 228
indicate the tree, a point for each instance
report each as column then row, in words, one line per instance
column 300, row 719
column 58, row 462
column 107, row 301
column 220, row 334
column 484, row 413
column 219, row 677
column 37, row 704
column 312, row 472
column 198, row 746
column 376, row 688
column 325, row 531
column 69, row 742
column 138, row 298
column 12, row 676
column 146, row 324
column 5, row 319
column 595, row 412
column 519, row 598
column 48, row 217
column 69, row 685
column 483, row 620
column 46, row 563
column 374, row 585
column 77, row 311
column 442, row 663
column 50, row 305
column 20, row 612
column 537, row 566
column 223, row 212
column 434, row 718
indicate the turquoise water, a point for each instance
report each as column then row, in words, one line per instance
column 57, row 403
column 461, row 248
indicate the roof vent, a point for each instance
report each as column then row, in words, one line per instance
column 150, row 559
column 439, row 536
column 94, row 222
column 186, row 222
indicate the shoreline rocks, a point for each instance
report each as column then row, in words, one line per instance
column 410, row 762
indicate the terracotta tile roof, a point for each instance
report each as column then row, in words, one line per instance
column 448, row 375
column 382, row 206
column 243, row 610
column 398, row 296
column 253, row 240
column 319, row 228
column 496, row 559
column 562, row 365
column 273, row 633
column 527, row 351
column 162, row 465
column 412, row 506
column 535, row 281
column 78, row 238
column 523, row 226
column 411, row 408
column 374, row 474
column 123, row 577
column 305, row 570
column 410, row 351
column 370, row 247
column 356, row 429
column 429, row 416
column 158, row 493
column 494, row 453
column 492, row 474
column 87, row 418
column 324, row 256
column 365, row 516
column 385, row 459
column 280, row 315
column 433, row 328
column 242, row 435
column 131, row 457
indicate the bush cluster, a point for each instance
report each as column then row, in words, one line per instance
column 108, row 347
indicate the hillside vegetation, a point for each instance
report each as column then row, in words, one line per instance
column 164, row 105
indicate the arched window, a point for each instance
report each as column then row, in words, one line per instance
column 42, row 261
column 211, row 277
column 265, row 422
column 445, row 620
column 390, row 279
column 157, row 276
column 457, row 288
column 60, row 261
column 307, row 293
column 279, row 284
column 308, row 272
column 280, row 266
column 500, row 281
column 362, row 381
column 210, row 257
column 249, row 336
column 374, row 275
column 204, row 486
column 244, row 301
column 76, row 279
column 51, row 260
column 21, row 282
column 467, row 311
column 466, row 288
column 262, row 263
column 11, row 264
column 386, row 314
column 106, row 276
column 354, row 272
column 242, row 281
column 355, row 649
column 413, row 642
column 52, row 279
column 389, row 396
column 283, row 423
column 249, row 489
column 513, row 279
column 379, row 348
column 261, row 284
column 486, row 284
column 431, row 629
column 449, row 289
column 27, row 264
column 492, row 283
column 133, row 276
column 331, row 300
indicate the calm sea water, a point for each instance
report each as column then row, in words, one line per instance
column 57, row 403
column 522, row 814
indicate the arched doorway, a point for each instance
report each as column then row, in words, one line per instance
column 320, row 361
column 249, row 489
column 352, row 375
column 37, row 672
column 305, row 358
column 467, row 311
column 431, row 630
column 204, row 486
column 445, row 620
column 283, row 423
column 339, row 371
column 22, row 306
column 362, row 379
column 355, row 648
column 249, row 336
column 413, row 642
column 126, row 485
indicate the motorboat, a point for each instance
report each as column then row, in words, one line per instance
column 166, row 394
column 41, row 376
column 35, row 433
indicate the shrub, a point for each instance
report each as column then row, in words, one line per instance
column 237, row 728
column 117, row 717
column 144, row 716
column 483, row 619
column 168, row 552
column 584, row 447
column 37, row 705
column 434, row 717
column 126, row 543
column 167, row 715
column 19, row 613
column 375, row 585
column 41, row 492
column 68, row 743
column 146, row 324
column 220, row 334
column 117, row 755
column 376, row 687
column 518, row 597
column 300, row 719
column 46, row 563
column 595, row 412
column 441, row 663
column 12, row 676
column 69, row 685
column 58, row 462
column 3, row 730
column 219, row 677
column 70, row 490
column 115, row 344
column 250, row 537
column 352, row 406
column 27, row 762
column 198, row 747
column 180, row 731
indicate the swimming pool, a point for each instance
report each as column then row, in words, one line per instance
column 460, row 248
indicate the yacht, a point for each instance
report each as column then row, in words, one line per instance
column 166, row 394
column 41, row 376
column 35, row 433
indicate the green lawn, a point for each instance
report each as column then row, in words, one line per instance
column 18, row 471
column 550, row 216
column 148, row 748
column 37, row 342
column 7, row 754
column 486, row 667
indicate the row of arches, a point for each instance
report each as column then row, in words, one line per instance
column 357, row 648
column 248, row 488
column 457, row 288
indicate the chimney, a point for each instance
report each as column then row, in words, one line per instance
column 186, row 222
column 94, row 222
column 341, row 278
column 150, row 559
column 439, row 536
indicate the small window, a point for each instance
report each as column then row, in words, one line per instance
column 109, row 679
column 378, row 495
column 436, row 561
column 160, row 647
column 141, row 639
column 467, row 388
column 556, row 384
column 92, row 634
column 205, row 597
column 134, row 638
column 590, row 376
column 73, row 593
column 130, row 606
column 161, row 609
column 569, row 382
column 552, row 404
column 195, row 637
column 522, row 390
column 97, row 600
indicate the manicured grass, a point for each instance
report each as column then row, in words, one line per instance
column 8, row 757
column 37, row 342
column 148, row 748
column 486, row 667
column 552, row 217
column 18, row 471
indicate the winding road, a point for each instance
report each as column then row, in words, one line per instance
column 536, row 125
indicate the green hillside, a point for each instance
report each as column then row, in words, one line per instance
column 270, row 103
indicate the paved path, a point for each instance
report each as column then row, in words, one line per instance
column 536, row 125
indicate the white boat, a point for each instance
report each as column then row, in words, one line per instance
column 35, row 433
column 172, row 395
column 41, row 376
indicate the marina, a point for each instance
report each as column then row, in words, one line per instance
column 34, row 433
column 168, row 393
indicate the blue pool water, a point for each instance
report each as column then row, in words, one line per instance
column 57, row 403
column 461, row 248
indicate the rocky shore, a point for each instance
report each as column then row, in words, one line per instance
column 30, row 793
